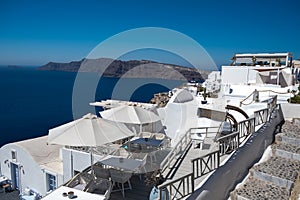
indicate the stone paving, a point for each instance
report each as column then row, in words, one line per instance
column 291, row 130
column 287, row 148
column 266, row 190
column 276, row 177
column 279, row 167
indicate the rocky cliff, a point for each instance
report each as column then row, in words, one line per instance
column 130, row 69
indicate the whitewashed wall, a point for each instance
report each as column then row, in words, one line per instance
column 178, row 118
column 81, row 161
column 238, row 75
column 30, row 173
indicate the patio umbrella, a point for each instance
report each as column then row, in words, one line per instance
column 89, row 131
column 130, row 115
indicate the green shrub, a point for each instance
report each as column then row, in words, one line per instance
column 295, row 99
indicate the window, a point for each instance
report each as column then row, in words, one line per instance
column 14, row 155
column 76, row 172
column 51, row 179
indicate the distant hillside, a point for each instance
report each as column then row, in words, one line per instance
column 129, row 69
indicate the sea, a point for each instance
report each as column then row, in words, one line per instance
column 33, row 101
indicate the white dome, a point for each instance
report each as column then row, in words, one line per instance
column 182, row 96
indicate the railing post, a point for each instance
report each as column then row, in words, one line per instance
column 239, row 137
column 193, row 183
column 193, row 167
column 218, row 154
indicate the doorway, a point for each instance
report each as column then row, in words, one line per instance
column 15, row 176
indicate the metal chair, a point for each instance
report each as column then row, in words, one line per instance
column 99, row 186
column 120, row 177
column 198, row 138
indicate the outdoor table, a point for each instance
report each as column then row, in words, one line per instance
column 3, row 183
column 147, row 141
column 3, row 179
column 80, row 195
column 28, row 197
column 122, row 163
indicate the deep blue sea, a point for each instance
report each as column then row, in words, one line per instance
column 33, row 101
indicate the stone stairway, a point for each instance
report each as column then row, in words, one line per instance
column 277, row 177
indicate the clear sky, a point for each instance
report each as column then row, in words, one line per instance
column 36, row 32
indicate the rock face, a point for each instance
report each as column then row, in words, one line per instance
column 130, row 69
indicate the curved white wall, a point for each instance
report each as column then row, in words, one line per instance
column 178, row 118
column 31, row 174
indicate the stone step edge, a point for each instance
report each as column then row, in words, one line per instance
column 273, row 179
column 286, row 154
column 235, row 196
column 281, row 138
column 239, row 197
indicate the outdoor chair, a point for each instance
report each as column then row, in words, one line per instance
column 145, row 135
column 99, row 186
column 101, row 172
column 120, row 177
column 159, row 136
column 122, row 152
column 143, row 158
column 198, row 139
column 6, row 187
column 80, row 181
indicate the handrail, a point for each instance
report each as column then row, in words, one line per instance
column 211, row 161
column 241, row 102
column 182, row 144
column 261, row 116
column 273, row 102
column 206, row 129
column 182, row 187
column 274, row 91
column 227, row 136
column 246, row 127
column 178, row 147
column 228, row 143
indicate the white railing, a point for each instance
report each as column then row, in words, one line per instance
column 184, row 141
column 182, row 144
column 246, row 128
column 261, row 116
column 205, row 164
column 228, row 143
column 179, row 188
column 184, row 186
column 216, row 129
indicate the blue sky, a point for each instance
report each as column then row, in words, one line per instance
column 36, row 32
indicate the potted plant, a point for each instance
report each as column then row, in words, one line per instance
column 71, row 195
column 253, row 61
column 155, row 178
column 278, row 62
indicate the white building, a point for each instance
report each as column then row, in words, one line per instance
column 32, row 164
column 269, row 73
column 262, row 68
column 212, row 84
column 179, row 115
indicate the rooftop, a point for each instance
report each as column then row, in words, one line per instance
column 263, row 54
column 47, row 156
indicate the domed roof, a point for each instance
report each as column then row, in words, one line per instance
column 182, row 96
